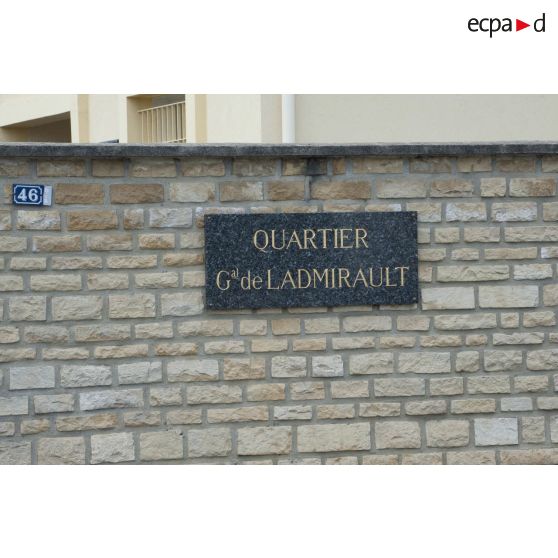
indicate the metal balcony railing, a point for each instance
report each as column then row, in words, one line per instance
column 164, row 124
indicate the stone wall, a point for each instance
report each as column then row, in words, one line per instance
column 107, row 354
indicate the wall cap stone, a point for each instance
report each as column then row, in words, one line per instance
column 120, row 150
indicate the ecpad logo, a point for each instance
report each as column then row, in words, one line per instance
column 493, row 25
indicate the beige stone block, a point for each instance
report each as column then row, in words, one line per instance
column 401, row 188
column 110, row 399
column 451, row 187
column 136, row 193
column 11, row 283
column 333, row 437
column 79, row 194
column 288, row 367
column 474, row 163
column 446, row 386
column 482, row 234
column 170, row 217
column 510, row 253
column 260, row 166
column 471, row 458
column 496, row 431
column 399, row 387
column 379, row 409
column 15, row 167
column 140, row 418
column 27, row 308
column 38, row 220
column 131, row 262
column 107, row 168
column 424, row 362
column 307, row 390
column 468, row 273
column 11, row 355
column 514, row 211
column 209, row 442
column 60, row 403
column 550, row 295
column 542, row 360
column 243, row 368
column 531, row 234
column 9, row 334
column 152, row 167
column 35, row 426
column 77, row 308
column 397, row 435
column 461, row 211
column 493, row 187
column 531, row 187
column 214, row 394
column 367, row 323
column 349, row 389
column 117, row 332
column 516, row 163
column 76, row 262
column 192, row 370
column 326, row 366
column 508, row 296
column 269, row 345
column 331, row 412
column 288, row 326
column 61, row 451
column 159, row 446
column 448, row 298
column 550, row 211
column 106, row 281
column 264, row 440
column 266, row 392
column 241, row 191
column 176, row 349
column 194, row 166
column 292, row 412
column 427, row 164
column 197, row 192
column 473, row 406
column 303, row 344
column 60, row 167
column 326, row 189
column 253, row 327
column 187, row 303
column 495, row 361
column 32, row 377
column 538, row 319
column 467, row 361
column 165, row 396
column 91, row 219
column 488, row 385
column 418, row 408
column 529, row 338
column 110, row 241
column 223, row 347
column 112, row 448
column 282, row 190
column 447, row 433
column 240, row 414
column 368, row 165
column 13, row 244
column 58, row 282
column 17, row 405
column 371, row 363
column 101, row 421
column 465, row 321
column 27, row 264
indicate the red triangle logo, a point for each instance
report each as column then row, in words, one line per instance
column 519, row 25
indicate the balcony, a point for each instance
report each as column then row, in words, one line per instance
column 163, row 124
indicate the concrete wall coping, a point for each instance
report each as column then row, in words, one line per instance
column 274, row 150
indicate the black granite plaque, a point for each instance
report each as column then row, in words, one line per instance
column 298, row 260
